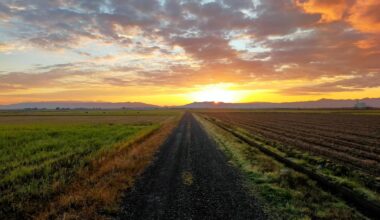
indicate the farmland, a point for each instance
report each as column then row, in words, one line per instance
column 42, row 152
column 166, row 164
column 353, row 140
column 342, row 147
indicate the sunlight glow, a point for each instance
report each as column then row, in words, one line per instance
column 215, row 93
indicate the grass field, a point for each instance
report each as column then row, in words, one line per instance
column 90, row 112
column 41, row 152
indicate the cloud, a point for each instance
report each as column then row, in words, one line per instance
column 330, row 10
column 10, row 47
column 189, row 42
column 4, row 11
column 361, row 15
column 365, row 16
column 4, row 47
column 42, row 79
column 280, row 18
column 356, row 83
column 206, row 48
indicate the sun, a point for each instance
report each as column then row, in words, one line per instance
column 214, row 93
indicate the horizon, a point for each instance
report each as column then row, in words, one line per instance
column 171, row 53
column 194, row 102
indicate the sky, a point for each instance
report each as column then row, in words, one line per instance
column 171, row 52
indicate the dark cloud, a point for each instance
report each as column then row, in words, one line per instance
column 280, row 18
column 208, row 48
column 4, row 11
column 51, row 77
column 61, row 66
column 357, row 83
column 117, row 81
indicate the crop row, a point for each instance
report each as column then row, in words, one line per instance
column 356, row 147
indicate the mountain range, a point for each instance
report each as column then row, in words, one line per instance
column 322, row 103
column 79, row 105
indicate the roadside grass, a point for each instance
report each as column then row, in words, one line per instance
column 39, row 160
column 96, row 190
column 284, row 193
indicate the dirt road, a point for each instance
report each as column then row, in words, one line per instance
column 190, row 179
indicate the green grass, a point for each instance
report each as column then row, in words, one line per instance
column 42, row 155
column 90, row 112
column 24, row 149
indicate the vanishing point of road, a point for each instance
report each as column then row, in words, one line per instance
column 190, row 179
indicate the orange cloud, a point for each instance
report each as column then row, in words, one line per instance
column 6, row 47
column 362, row 15
column 330, row 10
column 367, row 43
column 365, row 16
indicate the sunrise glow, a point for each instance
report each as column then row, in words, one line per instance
column 215, row 93
column 175, row 52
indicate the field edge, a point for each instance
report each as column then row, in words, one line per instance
column 96, row 190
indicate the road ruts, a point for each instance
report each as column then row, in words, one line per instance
column 189, row 179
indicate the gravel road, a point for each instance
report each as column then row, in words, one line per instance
column 189, row 179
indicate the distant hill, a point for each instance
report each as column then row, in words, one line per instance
column 322, row 103
column 79, row 105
